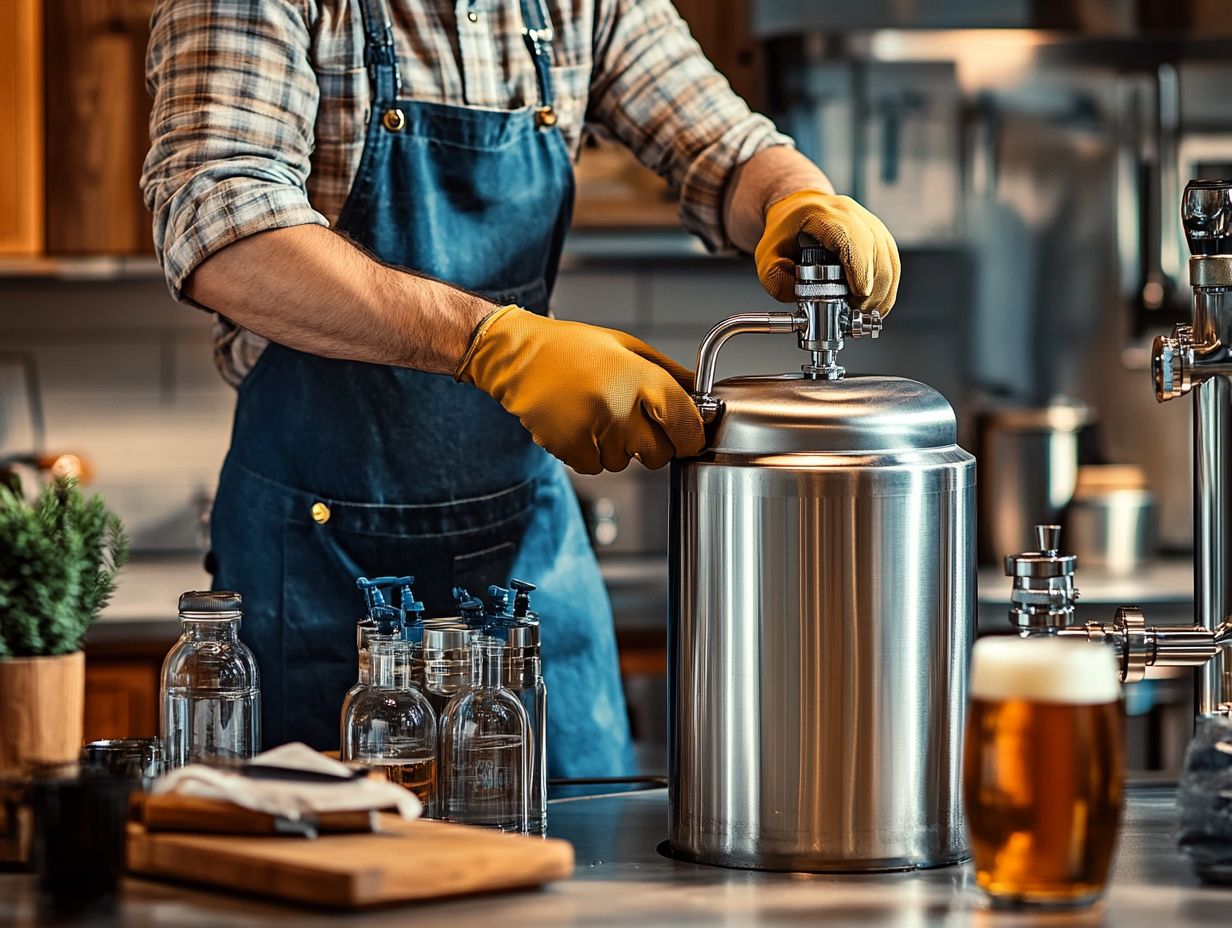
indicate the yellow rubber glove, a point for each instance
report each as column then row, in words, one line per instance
column 593, row 397
column 861, row 241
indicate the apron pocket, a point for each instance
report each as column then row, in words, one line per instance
column 478, row 570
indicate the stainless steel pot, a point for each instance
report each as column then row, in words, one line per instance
column 822, row 610
column 1028, row 469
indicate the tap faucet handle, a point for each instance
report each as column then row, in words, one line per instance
column 1206, row 214
column 1048, row 539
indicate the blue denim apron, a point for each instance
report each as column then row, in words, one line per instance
column 340, row 468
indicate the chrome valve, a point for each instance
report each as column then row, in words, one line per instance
column 861, row 324
column 1043, row 595
column 1172, row 363
column 1042, row 603
column 822, row 321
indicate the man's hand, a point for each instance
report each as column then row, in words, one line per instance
column 862, row 242
column 593, row 397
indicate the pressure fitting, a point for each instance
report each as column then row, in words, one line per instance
column 1043, row 594
column 1172, row 363
column 1042, row 603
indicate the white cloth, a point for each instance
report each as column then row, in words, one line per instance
column 290, row 799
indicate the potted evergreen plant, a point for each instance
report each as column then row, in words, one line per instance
column 59, row 555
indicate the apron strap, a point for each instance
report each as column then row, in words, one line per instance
column 380, row 57
column 538, row 33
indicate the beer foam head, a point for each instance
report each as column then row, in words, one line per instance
column 1044, row 670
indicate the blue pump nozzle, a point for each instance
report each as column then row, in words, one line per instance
column 500, row 601
column 412, row 609
column 373, row 591
column 521, row 599
column 469, row 607
column 388, row 619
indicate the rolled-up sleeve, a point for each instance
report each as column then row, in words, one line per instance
column 654, row 89
column 231, row 131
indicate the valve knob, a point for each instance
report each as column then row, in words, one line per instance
column 1048, row 538
column 1170, row 363
column 865, row 323
column 1206, row 214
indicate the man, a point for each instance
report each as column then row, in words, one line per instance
column 402, row 396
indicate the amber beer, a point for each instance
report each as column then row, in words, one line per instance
column 1042, row 769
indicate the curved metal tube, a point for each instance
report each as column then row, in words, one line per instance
column 708, row 351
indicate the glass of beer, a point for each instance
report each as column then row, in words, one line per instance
column 1043, row 769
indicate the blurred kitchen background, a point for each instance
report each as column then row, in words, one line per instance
column 1028, row 156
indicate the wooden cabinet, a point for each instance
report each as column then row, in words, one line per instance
column 74, row 117
column 721, row 28
column 122, row 680
column 97, row 126
column 21, row 127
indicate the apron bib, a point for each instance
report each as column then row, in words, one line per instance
column 418, row 473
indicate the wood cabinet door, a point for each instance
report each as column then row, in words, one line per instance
column 721, row 28
column 121, row 699
column 21, row 127
column 97, row 126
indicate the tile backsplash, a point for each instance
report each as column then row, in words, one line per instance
column 128, row 381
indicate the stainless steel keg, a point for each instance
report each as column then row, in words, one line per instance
column 822, row 609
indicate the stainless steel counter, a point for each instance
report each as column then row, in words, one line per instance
column 622, row 880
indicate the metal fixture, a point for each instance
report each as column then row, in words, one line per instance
column 822, row 320
column 1042, row 603
column 1196, row 358
column 822, row 609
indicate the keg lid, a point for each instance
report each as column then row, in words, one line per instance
column 795, row 414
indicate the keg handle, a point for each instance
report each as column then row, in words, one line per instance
column 821, row 321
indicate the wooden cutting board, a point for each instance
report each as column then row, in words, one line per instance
column 404, row 861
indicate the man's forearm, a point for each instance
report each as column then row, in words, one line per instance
column 310, row 289
column 769, row 175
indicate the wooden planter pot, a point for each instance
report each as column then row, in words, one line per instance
column 42, row 707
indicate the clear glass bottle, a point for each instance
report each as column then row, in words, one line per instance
column 517, row 626
column 211, row 689
column 390, row 726
column 524, row 678
column 376, row 626
column 485, row 764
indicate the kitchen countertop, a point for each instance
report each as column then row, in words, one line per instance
column 621, row 880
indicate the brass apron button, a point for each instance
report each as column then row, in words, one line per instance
column 393, row 120
column 320, row 513
column 545, row 117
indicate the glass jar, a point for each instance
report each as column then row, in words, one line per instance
column 390, row 726
column 485, row 763
column 211, row 689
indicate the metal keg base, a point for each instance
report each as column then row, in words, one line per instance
column 803, row 865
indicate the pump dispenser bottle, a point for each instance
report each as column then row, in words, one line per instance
column 485, row 764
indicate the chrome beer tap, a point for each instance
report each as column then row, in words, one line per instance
column 1042, row 603
column 1196, row 358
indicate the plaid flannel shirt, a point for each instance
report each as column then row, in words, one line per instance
column 261, row 107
